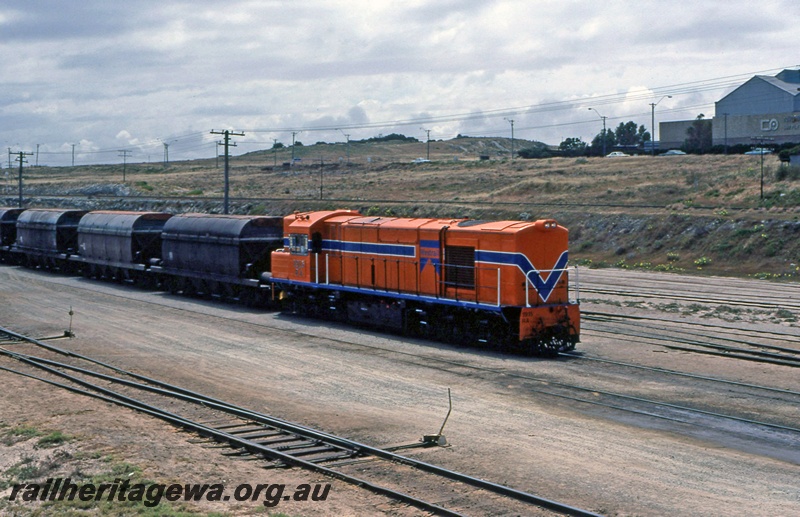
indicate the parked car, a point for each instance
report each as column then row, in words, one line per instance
column 616, row 154
column 759, row 150
column 421, row 160
column 673, row 152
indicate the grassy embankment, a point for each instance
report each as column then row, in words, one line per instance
column 678, row 213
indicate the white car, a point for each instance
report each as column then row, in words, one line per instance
column 759, row 150
column 421, row 160
column 673, row 152
column 616, row 154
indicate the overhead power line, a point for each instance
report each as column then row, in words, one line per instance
column 192, row 141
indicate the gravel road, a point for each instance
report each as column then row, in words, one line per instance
column 388, row 390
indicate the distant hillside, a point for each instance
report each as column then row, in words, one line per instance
column 461, row 148
column 692, row 213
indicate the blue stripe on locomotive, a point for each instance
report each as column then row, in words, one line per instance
column 504, row 258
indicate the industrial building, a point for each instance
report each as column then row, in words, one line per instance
column 763, row 110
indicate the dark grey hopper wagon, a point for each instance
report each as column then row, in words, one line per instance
column 8, row 232
column 117, row 244
column 48, row 236
column 8, row 225
column 218, row 254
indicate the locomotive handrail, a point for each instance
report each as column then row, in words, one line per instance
column 474, row 289
column 474, row 292
column 498, row 287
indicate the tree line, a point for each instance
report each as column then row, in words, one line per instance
column 630, row 137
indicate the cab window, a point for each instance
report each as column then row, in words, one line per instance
column 298, row 244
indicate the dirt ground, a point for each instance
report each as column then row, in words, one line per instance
column 375, row 388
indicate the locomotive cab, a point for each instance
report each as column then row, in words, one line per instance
column 302, row 258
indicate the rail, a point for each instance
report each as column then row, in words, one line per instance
column 244, row 440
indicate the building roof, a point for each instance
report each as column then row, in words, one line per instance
column 792, row 88
column 764, row 94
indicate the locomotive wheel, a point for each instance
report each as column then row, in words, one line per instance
column 172, row 286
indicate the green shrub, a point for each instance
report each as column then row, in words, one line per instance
column 787, row 172
column 53, row 439
column 702, row 261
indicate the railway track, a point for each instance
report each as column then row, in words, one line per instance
column 253, row 434
column 778, row 303
column 587, row 394
column 686, row 337
column 585, row 357
column 696, row 290
column 641, row 404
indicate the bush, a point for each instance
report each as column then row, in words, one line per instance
column 53, row 439
column 785, row 153
column 397, row 137
column 534, row 152
column 787, row 173
column 702, row 261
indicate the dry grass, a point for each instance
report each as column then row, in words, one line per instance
column 635, row 209
column 385, row 172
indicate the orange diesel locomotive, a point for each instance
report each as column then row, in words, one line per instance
column 502, row 285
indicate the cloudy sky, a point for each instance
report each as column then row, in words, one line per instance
column 104, row 75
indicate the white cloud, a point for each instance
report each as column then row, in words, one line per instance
column 76, row 72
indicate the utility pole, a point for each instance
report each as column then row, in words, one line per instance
column 321, row 172
column 294, row 133
column 653, row 123
column 347, row 140
column 37, row 155
column 73, row 155
column 227, row 143
column 21, row 160
column 428, row 153
column 511, row 121
column 761, row 140
column 726, row 133
column 604, row 128
column 124, row 153
column 275, row 152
